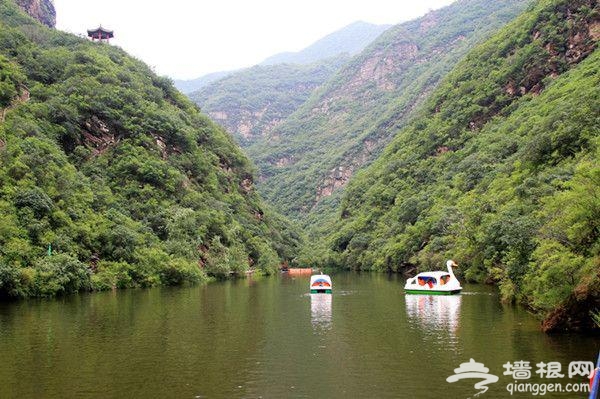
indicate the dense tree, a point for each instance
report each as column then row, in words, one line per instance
column 499, row 170
column 109, row 169
column 306, row 160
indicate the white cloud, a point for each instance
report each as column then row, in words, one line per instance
column 186, row 39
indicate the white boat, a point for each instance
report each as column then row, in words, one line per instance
column 434, row 283
column 320, row 284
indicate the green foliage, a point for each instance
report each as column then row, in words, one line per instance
column 11, row 80
column 568, row 249
column 49, row 276
column 117, row 170
column 498, row 171
column 346, row 122
column 178, row 271
column 554, row 273
column 257, row 98
column 221, row 261
column 15, row 282
column 267, row 259
column 596, row 318
column 60, row 274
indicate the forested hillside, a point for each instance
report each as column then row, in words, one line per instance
column 252, row 102
column 344, row 125
column 500, row 171
column 109, row 177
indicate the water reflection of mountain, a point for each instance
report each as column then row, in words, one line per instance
column 434, row 312
column 320, row 310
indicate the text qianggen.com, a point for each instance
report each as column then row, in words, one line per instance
column 543, row 388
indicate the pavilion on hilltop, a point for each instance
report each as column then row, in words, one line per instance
column 100, row 34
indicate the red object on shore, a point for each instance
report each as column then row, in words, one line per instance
column 300, row 271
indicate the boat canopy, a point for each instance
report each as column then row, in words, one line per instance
column 321, row 282
column 427, row 280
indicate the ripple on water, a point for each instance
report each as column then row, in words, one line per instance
column 265, row 339
column 335, row 293
column 468, row 293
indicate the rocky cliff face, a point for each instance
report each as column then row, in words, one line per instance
column 347, row 122
column 42, row 10
column 251, row 103
column 247, row 125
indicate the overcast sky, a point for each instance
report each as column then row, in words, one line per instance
column 187, row 39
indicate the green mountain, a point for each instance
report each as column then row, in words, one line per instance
column 252, row 102
column 305, row 161
column 499, row 170
column 109, row 177
column 192, row 85
column 351, row 39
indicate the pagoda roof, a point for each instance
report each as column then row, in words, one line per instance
column 100, row 29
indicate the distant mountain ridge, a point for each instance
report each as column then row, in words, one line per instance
column 310, row 157
column 253, row 102
column 191, row 85
column 351, row 39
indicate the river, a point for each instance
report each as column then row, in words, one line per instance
column 268, row 338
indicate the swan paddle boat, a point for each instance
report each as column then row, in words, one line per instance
column 434, row 283
column 320, row 284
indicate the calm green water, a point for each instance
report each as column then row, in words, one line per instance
column 268, row 338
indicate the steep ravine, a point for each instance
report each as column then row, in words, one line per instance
column 310, row 157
